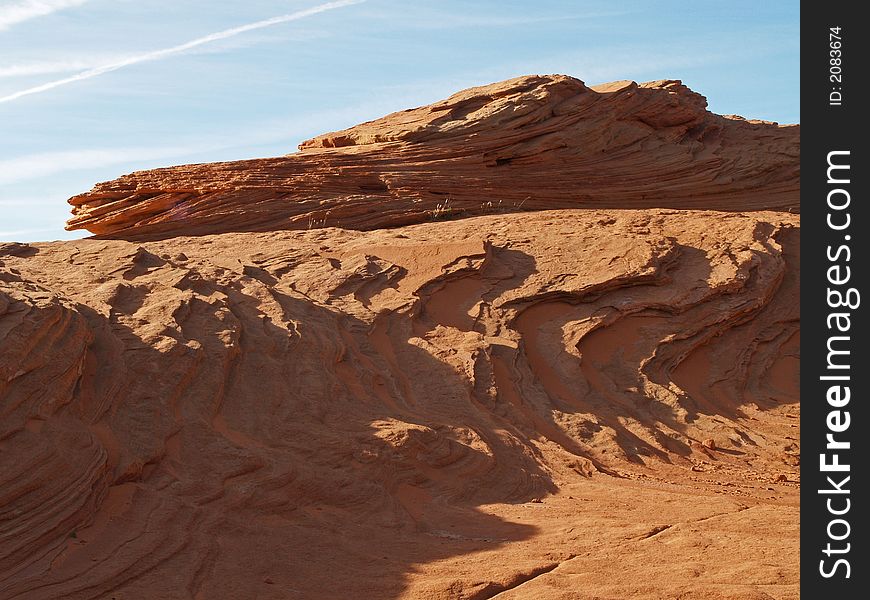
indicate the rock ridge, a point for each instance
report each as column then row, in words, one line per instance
column 529, row 143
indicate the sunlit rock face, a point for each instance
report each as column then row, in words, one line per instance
column 531, row 143
column 225, row 395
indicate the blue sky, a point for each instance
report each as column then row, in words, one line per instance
column 93, row 89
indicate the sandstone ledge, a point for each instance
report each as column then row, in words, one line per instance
column 530, row 143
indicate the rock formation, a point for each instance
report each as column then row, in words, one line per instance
column 529, row 143
column 595, row 401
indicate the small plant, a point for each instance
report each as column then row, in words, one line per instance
column 441, row 211
column 315, row 223
column 488, row 207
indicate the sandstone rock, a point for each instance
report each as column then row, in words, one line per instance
column 275, row 405
column 204, row 403
column 535, row 142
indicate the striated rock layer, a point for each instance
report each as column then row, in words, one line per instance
column 560, row 404
column 534, row 142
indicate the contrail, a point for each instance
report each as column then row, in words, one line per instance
column 24, row 10
column 159, row 54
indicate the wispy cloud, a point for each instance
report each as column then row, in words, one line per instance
column 42, row 164
column 438, row 19
column 26, row 69
column 17, row 234
column 179, row 49
column 12, row 13
column 29, row 202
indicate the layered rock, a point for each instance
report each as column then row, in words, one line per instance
column 396, row 401
column 514, row 404
column 530, row 143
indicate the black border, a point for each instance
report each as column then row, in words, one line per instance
column 826, row 128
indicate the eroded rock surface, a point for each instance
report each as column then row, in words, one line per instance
column 559, row 404
column 224, row 395
column 530, row 143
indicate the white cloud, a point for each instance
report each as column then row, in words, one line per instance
column 31, row 166
column 28, row 202
column 452, row 20
column 15, row 12
column 46, row 67
column 19, row 233
column 180, row 48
